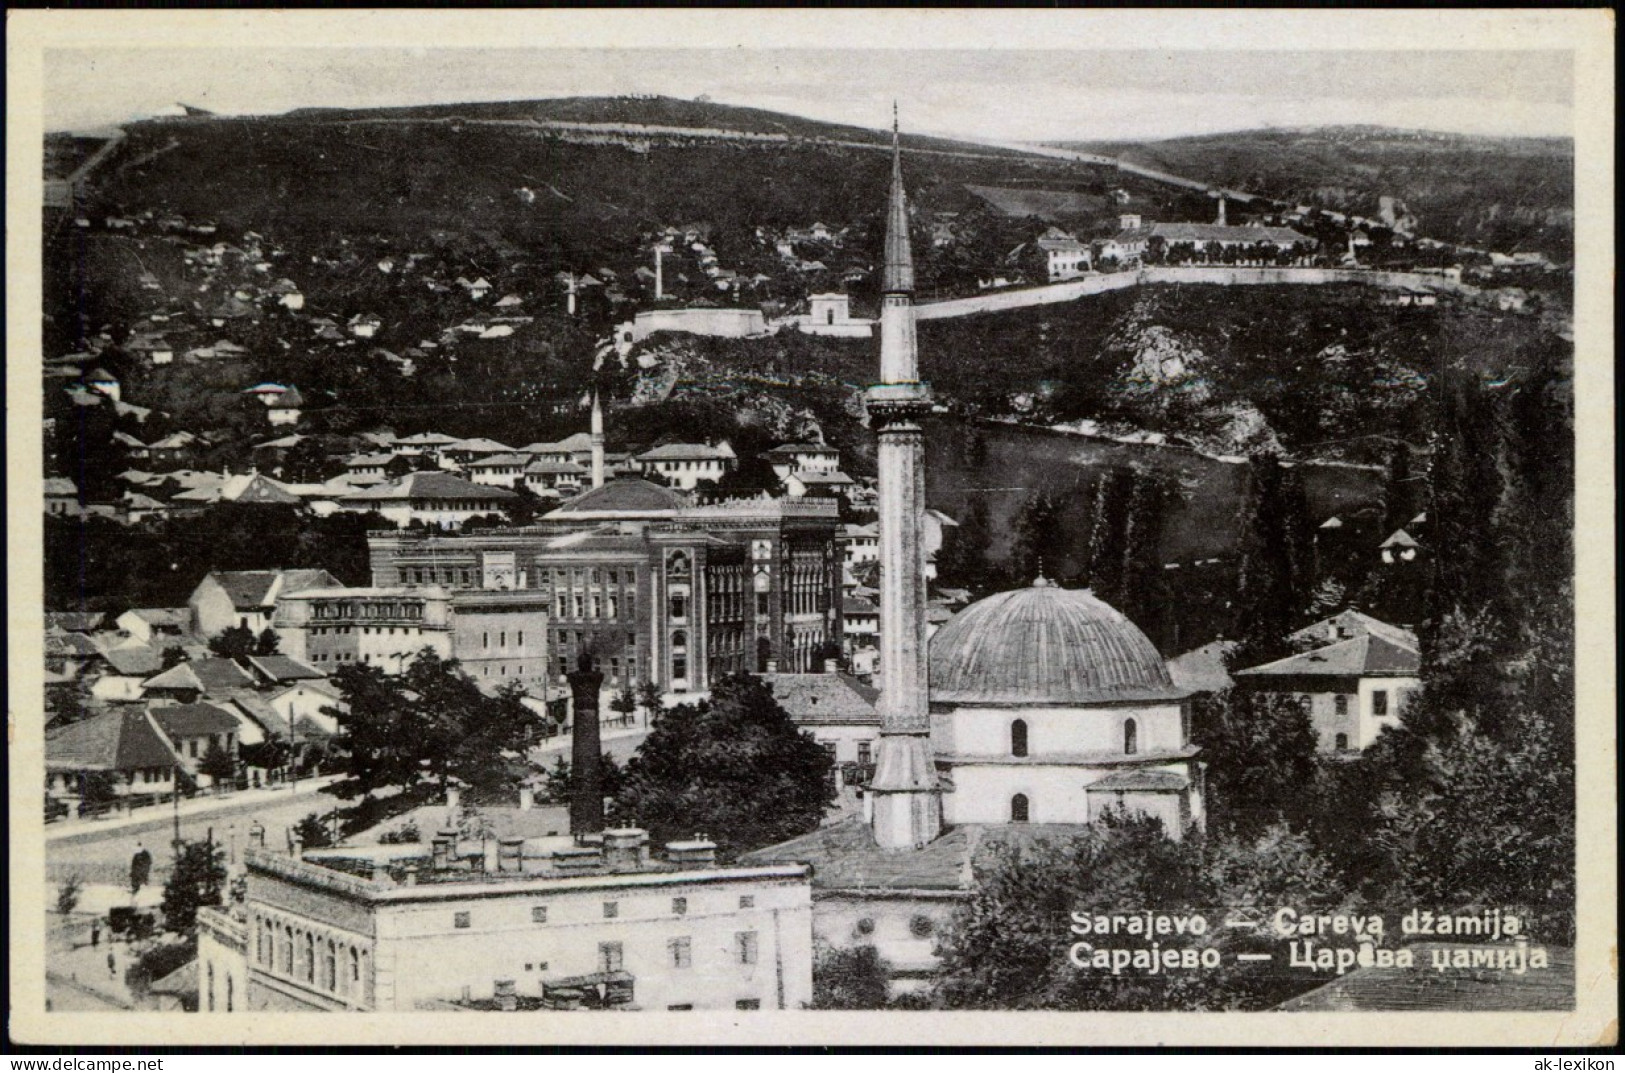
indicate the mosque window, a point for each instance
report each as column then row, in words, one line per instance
column 1131, row 737
column 1018, row 738
column 1019, row 809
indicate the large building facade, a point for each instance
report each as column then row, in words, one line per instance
column 652, row 587
column 538, row 923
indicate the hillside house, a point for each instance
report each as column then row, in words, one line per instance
column 817, row 482
column 185, row 683
column 547, row 477
column 104, row 383
column 156, row 625
column 153, row 349
column 61, row 496
column 266, row 392
column 365, row 325
column 1063, row 256
column 684, row 465
column 831, row 314
column 860, row 628
column 837, row 709
column 498, row 470
column 288, row 295
column 1352, row 688
column 285, row 409
column 791, row 457
column 439, row 500
column 247, row 598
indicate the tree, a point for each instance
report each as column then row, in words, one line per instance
column 432, row 719
column 218, row 763
column 67, row 894
column 140, row 869
column 733, row 767
column 852, row 979
column 1274, row 588
column 1260, row 754
column 312, row 831
column 237, row 642
column 268, row 643
column 198, row 879
column 1039, row 534
column 173, row 656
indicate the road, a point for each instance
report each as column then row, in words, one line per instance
column 102, row 855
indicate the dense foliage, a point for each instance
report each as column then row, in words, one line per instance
column 198, row 879
column 734, row 768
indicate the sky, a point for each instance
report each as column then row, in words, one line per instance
column 1000, row 94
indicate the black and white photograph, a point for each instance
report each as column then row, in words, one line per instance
column 737, row 523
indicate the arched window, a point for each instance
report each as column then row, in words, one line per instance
column 1018, row 738
column 679, row 605
column 310, row 958
column 230, row 993
column 1018, row 809
column 1131, row 737
column 211, row 986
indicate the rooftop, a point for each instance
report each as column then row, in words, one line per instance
column 824, row 698
column 122, row 740
column 1367, row 656
column 204, row 675
column 194, row 720
column 440, row 486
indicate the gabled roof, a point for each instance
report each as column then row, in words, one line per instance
column 133, row 660
column 1366, row 656
column 442, row 486
column 495, row 460
column 251, row 590
column 75, row 621
column 195, row 720
column 627, row 495
column 1400, row 539
column 70, row 645
column 178, row 618
column 824, row 698
column 1202, row 670
column 479, row 445
column 123, row 740
column 60, row 486
column 1351, row 623
column 426, row 439
column 288, row 400
column 671, row 452
column 543, row 465
column 819, row 476
column 211, row 675
column 280, row 668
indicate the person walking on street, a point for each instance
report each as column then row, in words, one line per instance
column 112, row 964
column 95, row 933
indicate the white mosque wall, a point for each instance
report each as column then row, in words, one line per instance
column 1158, row 728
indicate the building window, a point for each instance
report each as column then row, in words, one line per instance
column 612, row 910
column 1342, row 742
column 310, row 958
column 1379, row 702
column 330, row 967
column 681, row 1006
column 1018, row 738
column 745, row 945
column 355, row 966
column 460, row 920
column 679, row 906
column 865, row 752
column 682, row 952
column 747, row 901
column 1131, row 737
column 679, row 667
column 538, row 914
column 211, row 983
column 609, row 957
column 679, row 606
column 1341, row 704
column 748, row 1004
column 1018, row 809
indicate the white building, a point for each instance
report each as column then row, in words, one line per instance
column 532, row 923
column 1353, row 688
column 441, row 500
column 685, row 465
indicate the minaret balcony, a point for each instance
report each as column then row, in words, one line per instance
column 901, row 397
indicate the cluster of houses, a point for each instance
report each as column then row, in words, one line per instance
column 157, row 705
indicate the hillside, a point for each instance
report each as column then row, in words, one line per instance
column 1493, row 193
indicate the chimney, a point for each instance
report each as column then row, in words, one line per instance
column 697, row 852
column 507, row 995
column 411, row 875
column 625, row 849
column 570, row 298
column 454, row 795
column 298, row 847
column 527, row 797
column 586, row 751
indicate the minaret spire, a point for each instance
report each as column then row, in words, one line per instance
column 596, row 439
column 905, row 804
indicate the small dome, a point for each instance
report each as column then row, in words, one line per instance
column 1046, row 645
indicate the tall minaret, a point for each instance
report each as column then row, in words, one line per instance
column 905, row 798
column 596, row 436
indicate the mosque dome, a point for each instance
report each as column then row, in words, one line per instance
column 1045, row 645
